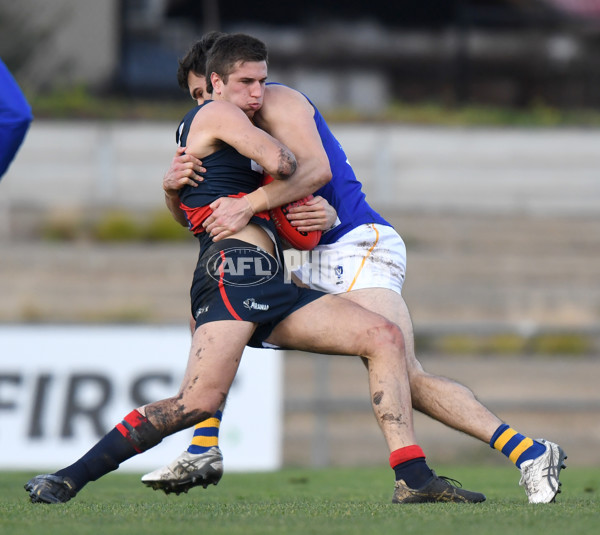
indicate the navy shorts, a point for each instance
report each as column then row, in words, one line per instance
column 235, row 280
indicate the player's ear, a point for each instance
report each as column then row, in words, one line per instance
column 216, row 82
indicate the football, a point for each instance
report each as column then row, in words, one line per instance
column 304, row 241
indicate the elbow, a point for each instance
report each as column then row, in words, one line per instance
column 289, row 167
column 285, row 167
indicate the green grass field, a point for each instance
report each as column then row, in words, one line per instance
column 301, row 501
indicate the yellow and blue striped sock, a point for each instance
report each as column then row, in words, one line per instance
column 206, row 434
column 515, row 446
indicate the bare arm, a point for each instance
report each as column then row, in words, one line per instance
column 289, row 117
column 185, row 170
column 223, row 122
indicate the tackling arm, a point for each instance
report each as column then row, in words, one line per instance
column 225, row 122
column 185, row 170
column 288, row 116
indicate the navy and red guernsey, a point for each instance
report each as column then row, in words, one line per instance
column 234, row 279
column 228, row 174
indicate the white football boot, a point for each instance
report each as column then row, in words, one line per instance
column 540, row 476
column 187, row 471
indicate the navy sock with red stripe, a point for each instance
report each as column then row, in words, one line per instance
column 409, row 465
column 133, row 435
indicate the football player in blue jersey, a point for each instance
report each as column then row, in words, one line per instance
column 361, row 258
column 15, row 117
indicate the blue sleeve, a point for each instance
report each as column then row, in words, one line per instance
column 15, row 116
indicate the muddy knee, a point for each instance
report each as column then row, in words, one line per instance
column 388, row 334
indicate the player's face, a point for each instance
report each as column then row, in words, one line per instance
column 197, row 87
column 245, row 86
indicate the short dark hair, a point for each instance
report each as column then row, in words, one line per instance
column 195, row 59
column 230, row 49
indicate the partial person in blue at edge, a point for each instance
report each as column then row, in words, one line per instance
column 15, row 117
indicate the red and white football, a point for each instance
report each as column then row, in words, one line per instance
column 304, row 241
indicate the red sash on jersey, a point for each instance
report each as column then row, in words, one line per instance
column 196, row 216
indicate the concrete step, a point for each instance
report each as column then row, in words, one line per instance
column 329, row 419
column 461, row 269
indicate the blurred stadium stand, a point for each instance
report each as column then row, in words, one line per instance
column 499, row 52
column 502, row 52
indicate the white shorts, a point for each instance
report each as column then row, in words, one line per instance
column 370, row 256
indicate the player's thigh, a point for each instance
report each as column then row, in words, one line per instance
column 336, row 326
column 213, row 361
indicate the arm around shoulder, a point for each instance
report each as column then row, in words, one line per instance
column 288, row 116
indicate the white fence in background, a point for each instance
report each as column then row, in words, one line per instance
column 82, row 164
column 63, row 387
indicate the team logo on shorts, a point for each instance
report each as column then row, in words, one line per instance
column 241, row 266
